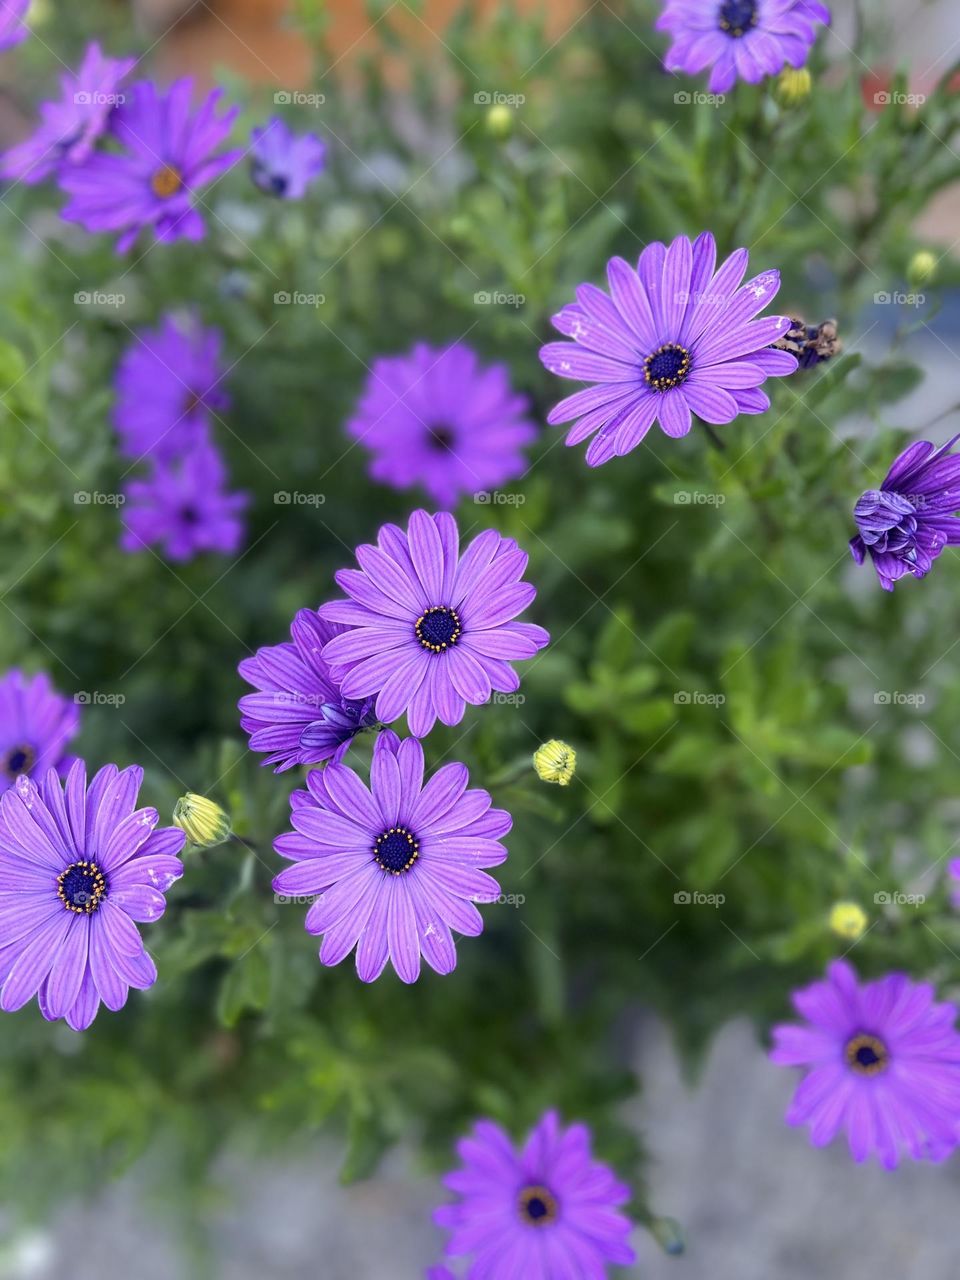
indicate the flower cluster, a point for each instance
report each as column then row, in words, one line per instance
column 424, row 631
column 168, row 388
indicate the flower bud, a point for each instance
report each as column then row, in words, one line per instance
column 922, row 268
column 204, row 822
column 793, row 86
column 555, row 762
column 500, row 121
column 848, row 920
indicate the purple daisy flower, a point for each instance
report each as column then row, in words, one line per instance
column 882, row 1063
column 13, row 28
column 395, row 867
column 739, row 39
column 78, row 868
column 548, row 1210
column 183, row 506
column 283, row 163
column 168, row 383
column 155, row 181
column 70, row 128
column 438, row 418
column 36, row 723
column 429, row 630
column 298, row 714
column 907, row 522
column 675, row 338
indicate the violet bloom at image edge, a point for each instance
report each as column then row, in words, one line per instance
column 13, row 28
column 519, row 1210
column 298, row 715
column 392, row 869
column 428, row 629
column 183, row 507
column 36, row 725
column 907, row 522
column 72, row 892
column 283, row 163
column 71, row 126
column 168, row 384
column 739, row 39
column 155, row 180
column 438, row 418
column 707, row 353
column 881, row 1063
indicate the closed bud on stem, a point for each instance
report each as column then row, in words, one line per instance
column 848, row 920
column 555, row 762
column 204, row 822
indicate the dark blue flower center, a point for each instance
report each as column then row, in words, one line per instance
column 396, row 850
column 867, row 1055
column 438, row 628
column 82, row 887
column 538, row 1206
column 19, row 760
column 273, row 184
column 441, row 437
column 667, row 367
column 736, row 17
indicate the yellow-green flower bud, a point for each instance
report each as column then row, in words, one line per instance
column 922, row 268
column 204, row 822
column 848, row 920
column 555, row 762
column 794, row 85
column 500, row 120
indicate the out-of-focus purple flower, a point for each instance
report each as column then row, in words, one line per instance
column 674, row 337
column 70, row 128
column 739, row 39
column 79, row 868
column 429, row 630
column 283, row 163
column 36, row 724
column 298, row 714
column 182, row 506
column 155, row 181
column 395, row 867
column 438, row 418
column 549, row 1209
column 168, row 383
column 907, row 522
column 13, row 28
column 882, row 1064
column 440, row 1273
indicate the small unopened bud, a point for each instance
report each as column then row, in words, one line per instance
column 204, row 822
column 848, row 920
column 668, row 1235
column 794, row 85
column 500, row 120
column 555, row 762
column 922, row 268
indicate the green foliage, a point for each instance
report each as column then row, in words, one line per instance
column 717, row 662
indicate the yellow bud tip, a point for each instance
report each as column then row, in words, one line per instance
column 848, row 920
column 794, row 85
column 923, row 267
column 555, row 762
column 203, row 821
column 500, row 119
